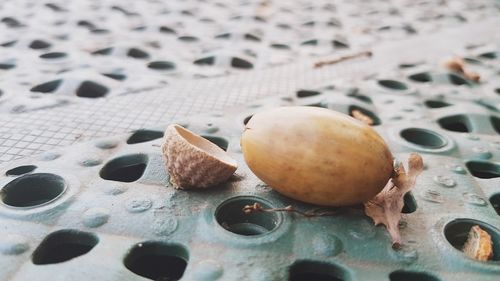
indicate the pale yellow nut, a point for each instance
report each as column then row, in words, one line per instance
column 478, row 245
column 193, row 161
column 317, row 155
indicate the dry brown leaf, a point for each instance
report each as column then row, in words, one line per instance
column 385, row 208
column 478, row 245
column 457, row 64
column 362, row 117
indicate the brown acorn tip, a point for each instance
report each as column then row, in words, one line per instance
column 193, row 161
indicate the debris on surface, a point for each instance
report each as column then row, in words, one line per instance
column 318, row 212
column 357, row 114
column 385, row 208
column 478, row 245
column 457, row 65
column 342, row 58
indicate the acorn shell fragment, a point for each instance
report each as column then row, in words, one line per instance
column 193, row 161
column 317, row 155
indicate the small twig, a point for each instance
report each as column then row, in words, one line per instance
column 256, row 207
column 342, row 58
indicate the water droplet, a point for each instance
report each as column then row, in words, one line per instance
column 138, row 205
column 114, row 190
column 90, row 162
column 482, row 152
column 326, row 245
column 362, row 229
column 106, row 144
column 432, row 196
column 472, row 137
column 13, row 244
column 445, row 181
column 456, row 168
column 208, row 270
column 95, row 217
column 474, row 199
column 406, row 254
column 164, row 226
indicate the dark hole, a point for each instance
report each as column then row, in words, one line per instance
column 205, row 61
column 89, row 89
column 497, row 90
column 362, row 98
column 7, row 66
column 188, row 39
column 11, row 22
column 423, row 77
column 307, row 93
column 9, row 43
column 312, row 42
column 495, row 121
column 240, row 63
column 373, row 116
column 54, row 7
column 457, row 80
column 401, row 275
column 32, row 190
column 220, row 142
column 115, row 76
column 166, row 29
column 483, row 170
column 105, row 51
column 126, row 168
column 231, row 217
column 144, row 136
column 53, row 55
column 39, row 44
column 393, row 84
column 20, row 170
column 317, row 271
column 339, row 44
column 409, row 65
column 280, row 46
column 223, row 36
column 251, row 37
column 410, row 204
column 455, row 123
column 157, row 261
column 99, row 31
column 86, row 24
column 137, row 53
column 495, row 202
column 245, row 121
column 436, row 104
column 161, row 65
column 423, row 137
column 457, row 231
column 488, row 55
column 47, row 87
column 471, row 60
column 64, row 245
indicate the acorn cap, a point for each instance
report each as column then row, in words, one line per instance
column 193, row 161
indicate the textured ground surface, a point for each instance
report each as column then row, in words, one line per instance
column 78, row 77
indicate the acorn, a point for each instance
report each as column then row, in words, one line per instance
column 317, row 155
column 193, row 161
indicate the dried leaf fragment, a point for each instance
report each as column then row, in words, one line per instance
column 385, row 208
column 478, row 245
column 457, row 65
column 322, row 63
column 362, row 117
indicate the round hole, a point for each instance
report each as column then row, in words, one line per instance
column 21, row 170
column 393, row 85
column 497, row 90
column 157, row 260
column 318, row 271
column 423, row 137
column 457, row 231
column 403, row 275
column 483, row 170
column 230, row 216
column 126, row 168
column 53, row 55
column 32, row 190
column 141, row 136
column 64, row 245
column 161, row 65
column 247, row 119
